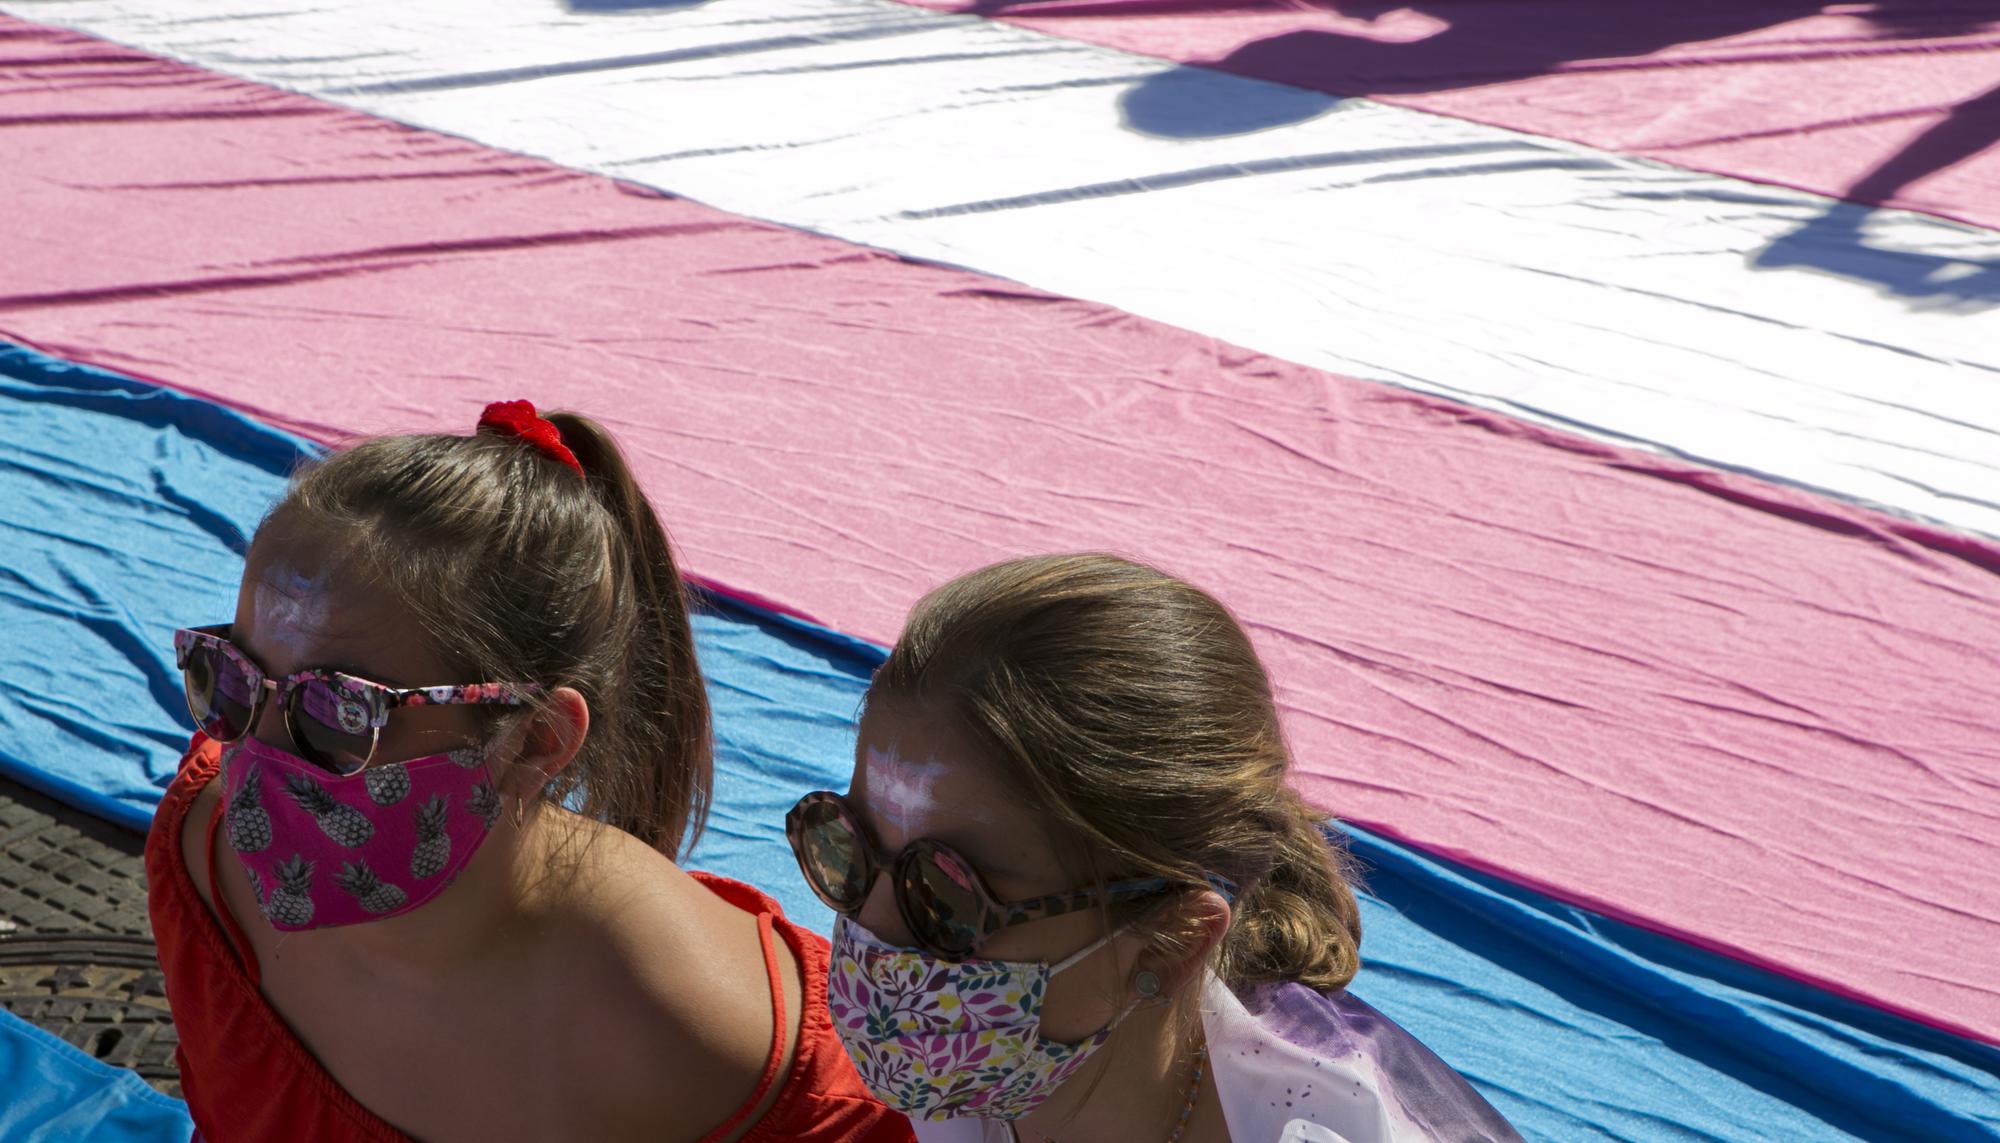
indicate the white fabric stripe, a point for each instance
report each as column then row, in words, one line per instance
column 1689, row 313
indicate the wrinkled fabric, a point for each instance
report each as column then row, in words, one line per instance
column 1895, row 102
column 1545, row 1007
column 124, row 510
column 1641, row 684
column 1731, row 322
column 57, row 1093
column 1573, row 1025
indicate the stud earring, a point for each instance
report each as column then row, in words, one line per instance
column 1148, row 983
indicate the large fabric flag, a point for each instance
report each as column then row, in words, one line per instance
column 1591, row 415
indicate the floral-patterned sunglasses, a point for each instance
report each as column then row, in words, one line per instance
column 335, row 719
column 943, row 900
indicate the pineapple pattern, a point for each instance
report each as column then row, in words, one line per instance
column 324, row 850
column 467, row 756
column 249, row 824
column 340, row 821
column 290, row 904
column 485, row 802
column 374, row 894
column 433, row 844
column 387, row 785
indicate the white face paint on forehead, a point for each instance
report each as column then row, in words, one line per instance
column 291, row 609
column 903, row 793
column 902, row 790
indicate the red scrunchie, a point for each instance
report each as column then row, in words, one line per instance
column 518, row 419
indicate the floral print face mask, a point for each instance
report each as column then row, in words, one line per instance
column 326, row 850
column 939, row 1039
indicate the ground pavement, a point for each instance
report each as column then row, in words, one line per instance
column 76, row 950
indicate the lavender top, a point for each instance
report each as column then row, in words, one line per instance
column 1299, row 1066
column 1293, row 1065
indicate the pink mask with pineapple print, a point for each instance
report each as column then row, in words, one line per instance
column 324, row 850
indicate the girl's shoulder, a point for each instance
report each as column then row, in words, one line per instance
column 807, row 1091
column 675, row 981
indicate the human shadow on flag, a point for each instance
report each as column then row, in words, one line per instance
column 1377, row 48
column 1860, row 241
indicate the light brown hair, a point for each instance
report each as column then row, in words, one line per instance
column 1130, row 711
column 519, row 571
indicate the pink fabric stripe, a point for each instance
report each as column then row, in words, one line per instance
column 1894, row 104
column 1733, row 713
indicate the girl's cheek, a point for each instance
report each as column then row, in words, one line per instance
column 1083, row 1000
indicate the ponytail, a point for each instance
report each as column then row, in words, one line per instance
column 516, row 570
column 1300, row 921
column 665, row 803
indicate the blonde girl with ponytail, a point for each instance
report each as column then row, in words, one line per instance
column 1079, row 900
column 417, row 876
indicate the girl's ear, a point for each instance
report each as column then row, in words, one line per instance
column 550, row 738
column 1203, row 914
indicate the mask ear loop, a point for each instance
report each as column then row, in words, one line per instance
column 520, row 800
column 1087, row 950
column 1124, row 1010
column 487, row 745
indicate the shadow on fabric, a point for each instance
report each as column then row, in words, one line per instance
column 1385, row 48
column 1836, row 242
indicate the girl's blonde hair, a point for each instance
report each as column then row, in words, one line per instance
column 1131, row 712
column 517, row 570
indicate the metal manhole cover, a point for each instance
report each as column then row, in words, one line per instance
column 76, row 951
column 102, row 993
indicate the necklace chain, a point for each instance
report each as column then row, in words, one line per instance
column 1193, row 1095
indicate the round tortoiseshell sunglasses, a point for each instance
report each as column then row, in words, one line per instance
column 942, row 899
column 335, row 719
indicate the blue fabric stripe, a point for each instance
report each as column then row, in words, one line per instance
column 1580, row 1027
column 123, row 507
column 122, row 512
column 1576, row 1026
column 55, row 1093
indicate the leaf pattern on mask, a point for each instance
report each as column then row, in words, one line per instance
column 938, row 1040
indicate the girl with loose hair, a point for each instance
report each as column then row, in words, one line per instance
column 1078, row 899
column 416, row 878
